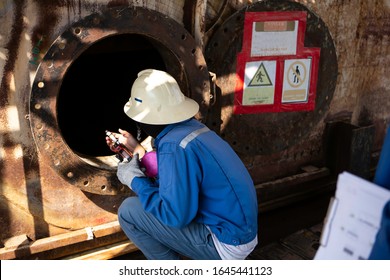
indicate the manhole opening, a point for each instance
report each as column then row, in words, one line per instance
column 96, row 87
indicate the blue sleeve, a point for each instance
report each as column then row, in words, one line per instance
column 381, row 248
column 382, row 174
column 175, row 201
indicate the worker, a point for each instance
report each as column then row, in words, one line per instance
column 381, row 248
column 203, row 204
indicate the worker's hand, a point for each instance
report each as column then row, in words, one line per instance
column 126, row 139
column 127, row 171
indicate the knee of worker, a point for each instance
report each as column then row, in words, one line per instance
column 130, row 209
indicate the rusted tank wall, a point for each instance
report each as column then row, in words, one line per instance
column 357, row 93
column 37, row 201
column 361, row 31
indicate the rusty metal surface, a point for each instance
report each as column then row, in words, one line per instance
column 272, row 135
column 40, row 199
column 37, row 197
column 273, row 132
column 361, row 34
column 183, row 58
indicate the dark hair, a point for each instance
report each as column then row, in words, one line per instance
column 152, row 129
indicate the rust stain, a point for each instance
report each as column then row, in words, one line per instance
column 47, row 20
column 117, row 3
column 50, row 202
column 12, row 47
column 374, row 22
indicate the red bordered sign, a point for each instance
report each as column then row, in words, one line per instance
column 275, row 72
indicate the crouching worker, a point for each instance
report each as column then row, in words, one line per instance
column 203, row 203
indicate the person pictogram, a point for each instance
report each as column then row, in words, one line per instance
column 297, row 75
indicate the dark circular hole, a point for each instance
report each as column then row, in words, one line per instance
column 96, row 87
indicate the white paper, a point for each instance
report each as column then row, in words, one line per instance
column 353, row 219
column 268, row 43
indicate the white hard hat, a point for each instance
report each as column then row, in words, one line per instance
column 157, row 99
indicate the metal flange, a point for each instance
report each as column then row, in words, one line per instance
column 183, row 59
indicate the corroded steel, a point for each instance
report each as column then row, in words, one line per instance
column 270, row 135
column 39, row 176
column 274, row 132
column 39, row 198
column 180, row 53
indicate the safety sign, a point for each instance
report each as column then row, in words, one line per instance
column 259, row 84
column 274, row 38
column 296, row 80
column 275, row 72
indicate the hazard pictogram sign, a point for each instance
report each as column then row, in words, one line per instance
column 296, row 80
column 275, row 72
column 260, row 78
column 259, row 83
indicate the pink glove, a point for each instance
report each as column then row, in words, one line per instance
column 149, row 163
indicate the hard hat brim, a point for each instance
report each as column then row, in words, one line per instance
column 187, row 109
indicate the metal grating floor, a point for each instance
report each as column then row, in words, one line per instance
column 301, row 245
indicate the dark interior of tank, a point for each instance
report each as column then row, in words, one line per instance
column 96, row 87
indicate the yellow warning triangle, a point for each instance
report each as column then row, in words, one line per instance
column 261, row 78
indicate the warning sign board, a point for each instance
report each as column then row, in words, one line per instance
column 270, row 38
column 275, row 71
column 296, row 80
column 261, row 77
column 259, row 83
